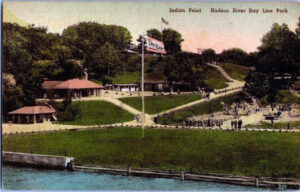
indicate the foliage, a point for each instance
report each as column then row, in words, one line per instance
column 71, row 113
column 11, row 94
column 30, row 55
column 234, row 55
column 208, row 55
column 172, row 40
column 154, row 33
column 198, row 151
column 94, row 113
column 105, row 60
column 277, row 63
column 156, row 104
column 96, row 44
column 286, row 97
column 255, row 84
column 184, row 67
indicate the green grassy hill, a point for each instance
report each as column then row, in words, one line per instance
column 98, row 113
column 287, row 97
column 235, row 71
column 200, row 109
column 127, row 78
column 156, row 104
column 213, row 78
column 198, row 151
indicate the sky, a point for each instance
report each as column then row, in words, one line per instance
column 202, row 30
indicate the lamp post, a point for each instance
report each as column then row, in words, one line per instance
column 143, row 101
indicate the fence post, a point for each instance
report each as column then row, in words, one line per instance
column 256, row 182
column 182, row 175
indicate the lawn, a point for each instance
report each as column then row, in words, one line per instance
column 98, row 113
column 156, row 104
column 287, row 97
column 135, row 77
column 279, row 125
column 235, row 71
column 203, row 108
column 198, row 151
column 127, row 77
column 213, row 78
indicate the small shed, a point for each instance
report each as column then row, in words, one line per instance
column 126, row 87
column 32, row 114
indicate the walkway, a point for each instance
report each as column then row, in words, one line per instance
column 234, row 87
column 48, row 127
column 233, row 83
column 212, row 97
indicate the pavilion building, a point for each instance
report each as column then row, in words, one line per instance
column 77, row 88
column 32, row 115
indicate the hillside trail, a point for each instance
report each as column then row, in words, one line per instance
column 233, row 83
column 234, row 86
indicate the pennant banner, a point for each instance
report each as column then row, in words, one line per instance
column 154, row 45
column 164, row 21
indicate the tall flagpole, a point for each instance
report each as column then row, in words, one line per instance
column 143, row 101
column 161, row 24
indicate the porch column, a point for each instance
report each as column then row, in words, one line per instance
column 80, row 93
column 34, row 118
column 27, row 119
column 13, row 118
column 19, row 118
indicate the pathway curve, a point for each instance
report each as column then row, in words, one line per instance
column 234, row 87
column 233, row 83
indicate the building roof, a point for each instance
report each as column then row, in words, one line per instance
column 50, row 84
column 71, row 84
column 33, row 110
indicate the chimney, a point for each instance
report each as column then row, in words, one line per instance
column 85, row 73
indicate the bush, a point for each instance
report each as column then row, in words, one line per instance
column 70, row 113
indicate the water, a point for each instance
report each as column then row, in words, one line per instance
column 38, row 179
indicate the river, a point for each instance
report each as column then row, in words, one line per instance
column 39, row 179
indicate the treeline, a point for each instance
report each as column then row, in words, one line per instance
column 233, row 55
column 277, row 63
column 31, row 54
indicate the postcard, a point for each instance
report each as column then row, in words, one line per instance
column 150, row 95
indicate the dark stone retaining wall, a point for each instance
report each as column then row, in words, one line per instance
column 37, row 160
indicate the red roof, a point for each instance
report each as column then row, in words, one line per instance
column 71, row 84
column 50, row 84
column 156, row 51
column 33, row 110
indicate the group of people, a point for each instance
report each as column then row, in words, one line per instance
column 236, row 124
column 204, row 123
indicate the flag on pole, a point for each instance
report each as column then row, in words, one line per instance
column 164, row 21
